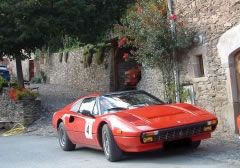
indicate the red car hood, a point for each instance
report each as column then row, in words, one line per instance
column 165, row 116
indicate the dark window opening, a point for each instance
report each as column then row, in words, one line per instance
column 199, row 66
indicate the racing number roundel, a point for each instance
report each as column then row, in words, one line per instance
column 88, row 128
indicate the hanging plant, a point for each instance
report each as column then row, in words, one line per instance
column 66, row 54
column 88, row 52
column 97, row 50
column 100, row 53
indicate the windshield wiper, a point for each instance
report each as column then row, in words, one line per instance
column 158, row 103
column 139, row 105
column 117, row 108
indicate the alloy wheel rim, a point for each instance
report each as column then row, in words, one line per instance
column 62, row 136
column 106, row 143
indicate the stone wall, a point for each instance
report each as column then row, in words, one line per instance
column 151, row 82
column 24, row 111
column 210, row 19
column 95, row 78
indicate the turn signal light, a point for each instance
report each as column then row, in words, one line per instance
column 147, row 139
column 207, row 128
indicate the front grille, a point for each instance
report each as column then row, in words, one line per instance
column 180, row 132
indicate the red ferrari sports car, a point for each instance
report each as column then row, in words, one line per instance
column 130, row 121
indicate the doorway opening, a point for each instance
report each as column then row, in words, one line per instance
column 126, row 71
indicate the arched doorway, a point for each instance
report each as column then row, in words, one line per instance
column 229, row 53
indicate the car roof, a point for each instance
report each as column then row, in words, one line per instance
column 123, row 92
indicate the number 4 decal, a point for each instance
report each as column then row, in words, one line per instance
column 88, row 128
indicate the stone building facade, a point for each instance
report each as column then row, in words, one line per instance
column 210, row 65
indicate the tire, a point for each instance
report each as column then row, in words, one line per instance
column 111, row 150
column 195, row 144
column 64, row 141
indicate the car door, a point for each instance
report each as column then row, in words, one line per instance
column 80, row 126
column 88, row 136
column 74, row 122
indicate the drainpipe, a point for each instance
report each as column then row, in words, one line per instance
column 174, row 38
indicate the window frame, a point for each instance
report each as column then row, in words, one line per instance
column 95, row 103
column 200, row 66
column 74, row 104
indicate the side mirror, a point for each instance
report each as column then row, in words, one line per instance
column 87, row 113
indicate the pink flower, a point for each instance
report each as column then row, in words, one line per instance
column 125, row 56
column 173, row 17
column 122, row 42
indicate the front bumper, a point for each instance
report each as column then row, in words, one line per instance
column 134, row 144
column 154, row 140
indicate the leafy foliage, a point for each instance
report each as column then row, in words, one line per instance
column 146, row 25
column 21, row 93
column 3, row 83
column 170, row 90
column 98, row 50
column 27, row 25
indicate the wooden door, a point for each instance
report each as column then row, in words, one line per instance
column 237, row 71
column 237, row 67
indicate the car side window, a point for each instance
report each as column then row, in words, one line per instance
column 88, row 104
column 76, row 106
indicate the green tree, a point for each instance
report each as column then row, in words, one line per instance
column 27, row 25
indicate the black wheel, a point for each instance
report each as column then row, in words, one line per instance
column 64, row 140
column 112, row 151
column 195, row 144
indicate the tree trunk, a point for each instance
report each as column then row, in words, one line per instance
column 19, row 72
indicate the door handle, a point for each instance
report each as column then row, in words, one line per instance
column 71, row 119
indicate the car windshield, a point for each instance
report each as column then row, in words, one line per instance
column 127, row 100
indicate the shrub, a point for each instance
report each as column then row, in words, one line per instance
column 3, row 82
column 36, row 80
column 20, row 94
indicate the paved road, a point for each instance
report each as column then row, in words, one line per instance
column 44, row 152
